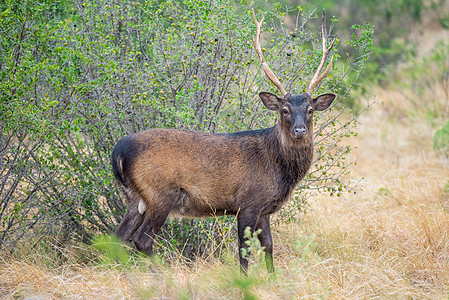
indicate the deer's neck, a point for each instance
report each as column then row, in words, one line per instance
column 292, row 157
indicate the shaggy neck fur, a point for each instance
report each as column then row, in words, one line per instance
column 291, row 157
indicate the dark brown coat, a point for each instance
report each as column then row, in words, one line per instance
column 250, row 174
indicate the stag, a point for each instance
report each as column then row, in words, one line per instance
column 249, row 174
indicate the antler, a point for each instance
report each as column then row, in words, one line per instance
column 317, row 77
column 265, row 66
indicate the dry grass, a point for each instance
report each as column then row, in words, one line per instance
column 389, row 240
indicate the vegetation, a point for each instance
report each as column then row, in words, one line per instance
column 392, row 21
column 441, row 139
column 77, row 75
column 389, row 241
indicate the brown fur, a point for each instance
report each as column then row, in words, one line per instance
column 250, row 174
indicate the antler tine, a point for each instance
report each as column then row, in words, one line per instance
column 266, row 68
column 317, row 77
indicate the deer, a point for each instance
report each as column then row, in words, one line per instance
column 249, row 174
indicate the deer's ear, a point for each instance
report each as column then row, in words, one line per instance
column 270, row 101
column 322, row 102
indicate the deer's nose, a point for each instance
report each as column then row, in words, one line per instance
column 300, row 130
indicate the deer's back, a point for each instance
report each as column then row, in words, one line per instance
column 206, row 173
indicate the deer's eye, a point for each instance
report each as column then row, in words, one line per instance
column 310, row 111
column 285, row 111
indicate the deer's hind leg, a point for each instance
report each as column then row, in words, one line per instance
column 133, row 218
column 154, row 218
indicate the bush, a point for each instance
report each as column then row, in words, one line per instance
column 428, row 78
column 78, row 75
column 441, row 139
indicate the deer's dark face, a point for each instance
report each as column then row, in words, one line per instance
column 296, row 111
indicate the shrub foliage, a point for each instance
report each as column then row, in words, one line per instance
column 75, row 76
